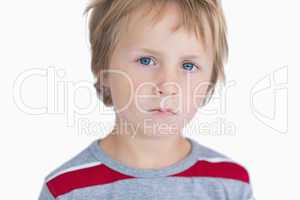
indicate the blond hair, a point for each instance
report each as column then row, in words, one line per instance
column 107, row 19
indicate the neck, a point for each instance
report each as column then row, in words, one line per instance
column 145, row 151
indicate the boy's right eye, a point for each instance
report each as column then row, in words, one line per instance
column 145, row 60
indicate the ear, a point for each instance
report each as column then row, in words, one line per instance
column 101, row 83
column 103, row 78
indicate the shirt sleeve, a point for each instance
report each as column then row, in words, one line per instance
column 247, row 193
column 45, row 194
column 237, row 190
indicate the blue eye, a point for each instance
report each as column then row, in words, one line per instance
column 189, row 66
column 145, row 60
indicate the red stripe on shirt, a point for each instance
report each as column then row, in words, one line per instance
column 216, row 170
column 96, row 175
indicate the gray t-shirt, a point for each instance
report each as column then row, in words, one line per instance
column 93, row 175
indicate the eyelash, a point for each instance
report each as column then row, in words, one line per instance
column 138, row 60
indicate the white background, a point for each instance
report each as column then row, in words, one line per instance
column 263, row 41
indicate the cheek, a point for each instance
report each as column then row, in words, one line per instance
column 137, row 83
column 121, row 89
column 199, row 93
column 194, row 95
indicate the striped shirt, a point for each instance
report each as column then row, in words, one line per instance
column 94, row 175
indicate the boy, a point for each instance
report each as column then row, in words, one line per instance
column 149, row 58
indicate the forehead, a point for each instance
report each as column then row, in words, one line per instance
column 160, row 25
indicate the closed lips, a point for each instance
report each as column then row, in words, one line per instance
column 163, row 110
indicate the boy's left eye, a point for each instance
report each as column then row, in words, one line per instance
column 190, row 66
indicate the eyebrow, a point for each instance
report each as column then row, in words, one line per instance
column 152, row 51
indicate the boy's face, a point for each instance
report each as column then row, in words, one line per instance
column 157, row 68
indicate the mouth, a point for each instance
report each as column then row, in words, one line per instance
column 163, row 111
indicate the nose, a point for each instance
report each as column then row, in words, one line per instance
column 167, row 81
column 167, row 89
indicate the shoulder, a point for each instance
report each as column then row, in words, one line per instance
column 80, row 160
column 219, row 165
column 232, row 175
column 62, row 178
